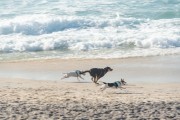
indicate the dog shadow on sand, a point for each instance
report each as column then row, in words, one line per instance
column 84, row 82
column 126, row 93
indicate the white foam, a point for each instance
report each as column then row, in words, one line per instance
column 77, row 37
column 40, row 24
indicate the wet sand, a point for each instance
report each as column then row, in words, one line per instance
column 162, row 69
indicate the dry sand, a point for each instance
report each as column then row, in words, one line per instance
column 152, row 92
column 27, row 99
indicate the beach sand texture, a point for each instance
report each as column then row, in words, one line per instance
column 27, row 99
column 143, row 98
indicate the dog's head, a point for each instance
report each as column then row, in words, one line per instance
column 108, row 68
column 123, row 82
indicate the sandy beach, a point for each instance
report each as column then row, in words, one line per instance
column 152, row 91
column 42, row 40
column 27, row 99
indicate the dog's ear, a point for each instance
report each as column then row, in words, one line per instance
column 109, row 69
column 122, row 80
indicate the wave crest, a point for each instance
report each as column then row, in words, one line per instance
column 44, row 24
column 39, row 24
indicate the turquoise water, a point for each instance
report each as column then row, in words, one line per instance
column 46, row 29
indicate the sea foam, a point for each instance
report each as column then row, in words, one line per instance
column 84, row 37
column 42, row 33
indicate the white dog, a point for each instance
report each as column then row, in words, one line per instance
column 117, row 84
column 76, row 73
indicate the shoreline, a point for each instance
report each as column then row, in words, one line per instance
column 162, row 69
column 87, row 59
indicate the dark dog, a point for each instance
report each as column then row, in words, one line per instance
column 117, row 84
column 97, row 73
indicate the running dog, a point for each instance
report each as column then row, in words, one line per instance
column 76, row 73
column 97, row 73
column 117, row 84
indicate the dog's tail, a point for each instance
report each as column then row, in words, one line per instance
column 85, row 71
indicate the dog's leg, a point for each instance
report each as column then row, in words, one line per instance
column 92, row 79
column 103, row 88
column 122, row 88
column 96, row 79
column 81, row 77
column 78, row 78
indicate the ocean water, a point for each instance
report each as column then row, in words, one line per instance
column 65, row 29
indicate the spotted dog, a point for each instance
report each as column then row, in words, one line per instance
column 117, row 84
